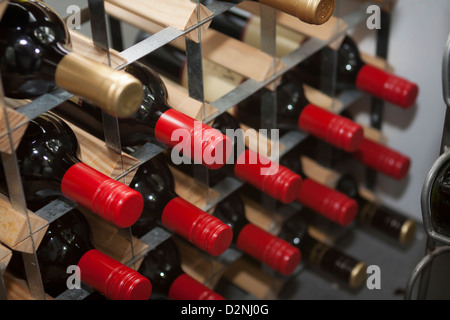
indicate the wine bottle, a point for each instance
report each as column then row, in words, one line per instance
column 376, row 156
column 440, row 204
column 352, row 72
column 321, row 256
column 383, row 159
column 155, row 120
column 67, row 242
column 315, row 12
column 36, row 56
column 371, row 214
column 156, row 184
column 246, row 27
column 49, row 162
column 294, row 111
column 249, row 166
column 378, row 217
column 254, row 241
column 162, row 266
column 330, row 203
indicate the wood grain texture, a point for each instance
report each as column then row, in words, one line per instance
column 113, row 241
column 85, row 46
column 15, row 230
column 324, row 32
column 5, row 256
column 250, row 277
column 16, row 126
column 17, row 289
column 97, row 155
column 199, row 265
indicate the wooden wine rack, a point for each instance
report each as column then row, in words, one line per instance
column 187, row 28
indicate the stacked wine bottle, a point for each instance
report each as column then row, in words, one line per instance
column 36, row 59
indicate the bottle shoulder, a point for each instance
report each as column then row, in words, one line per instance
column 48, row 136
column 34, row 40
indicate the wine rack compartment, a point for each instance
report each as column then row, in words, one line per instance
column 220, row 72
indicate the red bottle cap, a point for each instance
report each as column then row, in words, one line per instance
column 198, row 141
column 110, row 199
column 269, row 249
column 270, row 177
column 187, row 288
column 383, row 159
column 113, row 279
column 387, row 86
column 328, row 202
column 198, row 227
column 336, row 130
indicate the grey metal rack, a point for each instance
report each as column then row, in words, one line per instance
column 48, row 101
column 438, row 243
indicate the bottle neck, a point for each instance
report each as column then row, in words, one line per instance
column 232, row 212
column 378, row 217
column 320, row 255
column 136, row 129
column 315, row 70
column 290, row 103
column 66, row 240
column 154, row 181
column 348, row 185
column 33, row 52
column 156, row 185
column 254, row 241
column 48, row 150
column 112, row 278
column 167, row 61
column 334, row 262
column 231, row 23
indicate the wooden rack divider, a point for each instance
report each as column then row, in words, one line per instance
column 179, row 14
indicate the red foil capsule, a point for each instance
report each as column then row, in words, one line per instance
column 336, row 130
column 200, row 228
column 187, row 288
column 110, row 199
column 328, row 202
column 269, row 249
column 387, row 86
column 197, row 140
column 271, row 178
column 383, row 159
column 112, row 278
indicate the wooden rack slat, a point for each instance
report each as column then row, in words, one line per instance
column 14, row 229
column 179, row 14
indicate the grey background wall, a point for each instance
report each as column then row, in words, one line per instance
column 419, row 33
column 420, row 29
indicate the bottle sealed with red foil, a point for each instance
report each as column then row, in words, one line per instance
column 155, row 121
column 353, row 73
column 162, row 266
column 49, row 162
column 254, row 241
column 67, row 243
column 156, row 184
